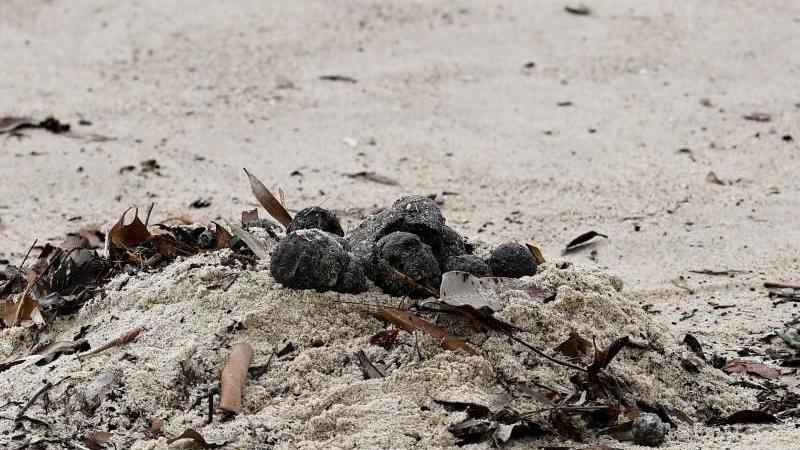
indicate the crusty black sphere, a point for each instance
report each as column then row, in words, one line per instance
column 308, row 259
column 649, row 430
column 470, row 264
column 406, row 253
column 512, row 260
column 352, row 279
column 316, row 217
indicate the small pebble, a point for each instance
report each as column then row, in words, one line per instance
column 649, row 430
column 316, row 217
column 512, row 260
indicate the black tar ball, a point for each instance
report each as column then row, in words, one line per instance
column 512, row 260
column 406, row 253
column 470, row 264
column 316, row 217
column 309, row 259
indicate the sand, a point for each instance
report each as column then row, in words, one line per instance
column 443, row 103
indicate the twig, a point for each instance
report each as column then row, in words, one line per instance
column 116, row 342
column 47, row 386
column 210, row 407
column 28, row 254
column 778, row 285
column 149, row 210
column 544, row 355
column 233, row 378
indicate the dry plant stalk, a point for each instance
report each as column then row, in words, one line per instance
column 411, row 322
column 116, row 342
column 233, row 377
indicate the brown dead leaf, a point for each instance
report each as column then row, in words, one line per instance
column 371, row 371
column 268, row 201
column 713, row 178
column 575, row 346
column 250, row 216
column 410, row 322
column 384, row 338
column 169, row 246
column 374, row 177
column 124, row 235
column 752, row 367
column 192, row 434
column 537, row 254
column 222, row 239
column 96, row 440
column 155, row 429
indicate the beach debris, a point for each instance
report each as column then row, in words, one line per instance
column 747, row 416
column 194, row 435
column 512, row 260
column 470, row 264
column 340, row 78
column 582, row 240
column 350, row 141
column 712, row 177
column 752, row 367
column 537, row 254
column 726, row 272
column 648, row 430
column 234, row 375
column 309, row 259
column 578, row 10
column 155, row 429
column 200, row 203
column 52, row 351
column 463, row 289
column 576, row 346
column 316, row 217
column 385, row 338
column 410, row 322
column 406, row 253
column 96, row 440
column 14, row 125
column 370, row 369
column 251, row 241
column 374, row 177
column 97, row 388
column 602, row 358
column 758, row 116
column 268, row 201
column 694, row 345
column 123, row 339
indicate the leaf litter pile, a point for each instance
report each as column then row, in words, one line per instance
column 401, row 334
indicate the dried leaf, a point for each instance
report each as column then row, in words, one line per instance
column 575, row 346
column 371, row 371
column 694, row 345
column 52, row 351
column 222, row 239
column 342, row 78
column 234, row 375
column 603, row 358
column 578, row 10
column 251, row 241
column 123, row 236
column 268, row 201
column 410, row 322
column 155, row 429
column 96, row 440
column 250, row 216
column 752, row 367
column 758, row 116
column 120, row 340
column 537, row 254
column 9, row 124
column 26, row 308
column 749, row 416
column 374, row 177
column 384, row 338
column 190, row 433
column 713, row 178
column 582, row 240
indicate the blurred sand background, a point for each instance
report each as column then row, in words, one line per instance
column 531, row 123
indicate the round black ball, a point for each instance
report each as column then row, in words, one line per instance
column 512, row 260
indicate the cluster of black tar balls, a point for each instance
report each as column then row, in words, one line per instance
column 408, row 240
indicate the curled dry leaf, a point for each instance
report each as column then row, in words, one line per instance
column 582, row 240
column 96, row 440
column 222, row 239
column 370, row 369
column 154, row 429
column 268, row 201
column 694, row 345
column 537, row 254
column 711, row 177
column 575, row 346
column 234, row 375
column 251, row 241
column 384, row 338
column 192, row 434
column 602, row 358
column 410, row 322
column 374, row 177
column 752, row 367
column 124, row 235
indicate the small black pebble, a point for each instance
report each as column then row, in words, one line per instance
column 470, row 264
column 787, row 138
column 316, row 217
column 512, row 260
column 308, row 259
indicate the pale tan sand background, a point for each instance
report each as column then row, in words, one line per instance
column 443, row 103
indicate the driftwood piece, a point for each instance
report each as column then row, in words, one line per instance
column 234, row 376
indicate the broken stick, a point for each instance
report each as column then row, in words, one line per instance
column 233, row 377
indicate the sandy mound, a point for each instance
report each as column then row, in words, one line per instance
column 316, row 394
